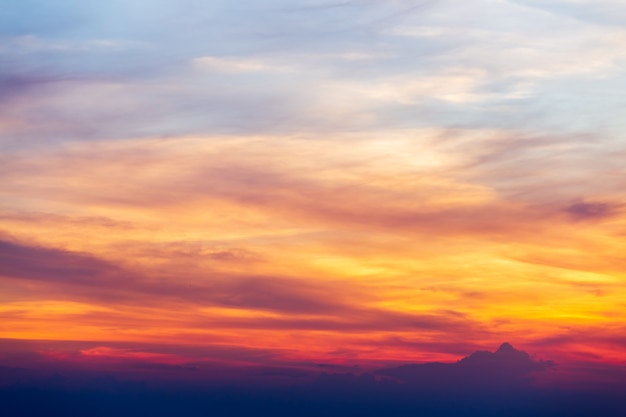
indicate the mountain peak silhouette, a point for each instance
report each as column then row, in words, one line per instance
column 506, row 366
column 506, row 347
column 506, row 355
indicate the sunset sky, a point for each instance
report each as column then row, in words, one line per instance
column 274, row 183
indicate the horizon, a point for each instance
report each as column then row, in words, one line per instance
column 483, row 383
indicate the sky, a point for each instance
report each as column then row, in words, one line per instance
column 354, row 185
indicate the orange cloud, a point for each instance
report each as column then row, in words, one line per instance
column 303, row 245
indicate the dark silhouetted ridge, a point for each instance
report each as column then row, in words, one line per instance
column 506, row 367
column 506, row 347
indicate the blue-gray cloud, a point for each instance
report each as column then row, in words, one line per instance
column 384, row 65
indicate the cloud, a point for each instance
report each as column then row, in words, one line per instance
column 53, row 265
column 231, row 65
column 16, row 85
column 501, row 369
column 97, row 280
column 358, row 320
column 332, row 187
column 319, row 234
column 591, row 210
column 292, row 303
column 148, row 81
column 605, row 12
column 131, row 378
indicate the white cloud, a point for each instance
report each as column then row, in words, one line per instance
column 234, row 64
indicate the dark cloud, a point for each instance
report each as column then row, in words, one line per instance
column 591, row 210
column 307, row 305
column 358, row 320
column 18, row 84
column 54, row 265
column 496, row 370
column 484, row 384
column 86, row 276
column 55, row 355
